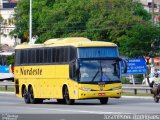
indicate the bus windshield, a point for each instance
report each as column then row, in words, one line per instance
column 99, row 71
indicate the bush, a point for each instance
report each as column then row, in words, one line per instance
column 10, row 60
column 125, row 80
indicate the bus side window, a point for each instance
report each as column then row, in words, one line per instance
column 53, row 55
column 47, row 55
column 57, row 55
column 24, row 57
column 17, row 57
column 66, row 54
column 72, row 71
column 72, row 53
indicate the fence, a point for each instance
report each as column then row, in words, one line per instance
column 6, row 85
column 136, row 88
column 126, row 87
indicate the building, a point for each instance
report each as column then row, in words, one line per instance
column 7, row 12
column 148, row 6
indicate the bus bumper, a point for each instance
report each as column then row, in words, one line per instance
column 99, row 94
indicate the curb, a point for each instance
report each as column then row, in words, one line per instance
column 140, row 97
column 7, row 93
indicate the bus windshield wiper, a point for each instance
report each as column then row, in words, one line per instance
column 95, row 75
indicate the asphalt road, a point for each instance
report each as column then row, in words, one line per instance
column 11, row 106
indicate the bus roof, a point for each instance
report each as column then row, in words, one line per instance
column 70, row 41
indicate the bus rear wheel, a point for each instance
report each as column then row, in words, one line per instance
column 61, row 101
column 26, row 96
column 68, row 101
column 103, row 100
column 31, row 97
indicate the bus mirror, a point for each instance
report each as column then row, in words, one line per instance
column 125, row 66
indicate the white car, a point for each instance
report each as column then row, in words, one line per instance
column 151, row 77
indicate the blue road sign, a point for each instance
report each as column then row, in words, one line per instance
column 4, row 69
column 135, row 66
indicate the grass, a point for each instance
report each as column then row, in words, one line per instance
column 9, row 89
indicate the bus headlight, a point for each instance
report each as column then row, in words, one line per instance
column 85, row 89
column 117, row 88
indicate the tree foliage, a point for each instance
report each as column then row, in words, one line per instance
column 10, row 60
column 1, row 22
column 138, row 40
column 121, row 21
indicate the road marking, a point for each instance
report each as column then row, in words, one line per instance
column 139, row 97
column 7, row 93
column 71, row 110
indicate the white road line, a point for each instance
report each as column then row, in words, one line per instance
column 8, row 93
column 71, row 110
column 139, row 97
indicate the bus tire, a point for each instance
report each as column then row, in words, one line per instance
column 61, row 101
column 31, row 96
column 26, row 96
column 38, row 100
column 68, row 101
column 156, row 99
column 103, row 100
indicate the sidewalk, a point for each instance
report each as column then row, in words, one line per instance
column 139, row 97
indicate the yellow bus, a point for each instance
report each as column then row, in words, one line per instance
column 68, row 69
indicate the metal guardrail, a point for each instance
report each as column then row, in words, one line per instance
column 125, row 87
column 6, row 85
column 136, row 88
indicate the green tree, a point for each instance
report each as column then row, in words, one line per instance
column 1, row 22
column 121, row 21
column 10, row 60
column 138, row 40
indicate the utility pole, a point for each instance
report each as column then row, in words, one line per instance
column 159, row 13
column 0, row 22
column 152, row 44
column 30, row 22
column 153, row 11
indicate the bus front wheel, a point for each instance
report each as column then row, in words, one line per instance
column 103, row 100
column 68, row 101
column 26, row 96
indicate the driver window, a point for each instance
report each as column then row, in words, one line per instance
column 72, row 71
column 83, row 72
column 109, row 71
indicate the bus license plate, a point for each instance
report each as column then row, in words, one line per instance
column 101, row 94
